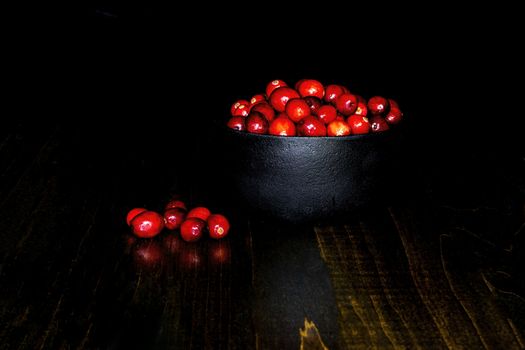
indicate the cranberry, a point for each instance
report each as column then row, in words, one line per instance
column 377, row 105
column 282, row 126
column 297, row 109
column 327, row 114
column 378, row 124
column 338, row 128
column 240, row 108
column 296, row 86
column 265, row 109
column 237, row 123
column 310, row 87
column 256, row 123
column 314, row 103
column 191, row 229
column 311, row 126
column 132, row 213
column 340, row 117
column 218, row 226
column 199, row 212
column 394, row 116
column 147, row 224
column 173, row 218
column 280, row 97
column 175, row 203
column 358, row 124
column 346, row 104
column 275, row 84
column 332, row 93
column 361, row 109
column 256, row 99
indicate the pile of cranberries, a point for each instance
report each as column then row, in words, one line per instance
column 192, row 224
column 312, row 109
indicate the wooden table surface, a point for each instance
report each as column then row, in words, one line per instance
column 441, row 269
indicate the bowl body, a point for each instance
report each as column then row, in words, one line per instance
column 302, row 179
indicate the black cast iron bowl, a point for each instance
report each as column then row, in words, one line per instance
column 304, row 179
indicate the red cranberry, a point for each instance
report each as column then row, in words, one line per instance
column 191, row 229
column 174, row 204
column 199, row 212
column 282, row 126
column 358, row 124
column 240, row 108
column 314, row 103
column 275, row 84
column 297, row 109
column 280, row 97
column 361, row 109
column 218, row 226
column 332, row 93
column 338, row 128
column 394, row 116
column 296, row 86
column 265, row 109
column 132, row 213
column 310, row 87
column 147, row 224
column 392, row 103
column 256, row 123
column 311, row 126
column 340, row 117
column 237, row 123
column 173, row 218
column 378, row 124
column 378, row 105
column 256, row 99
column 327, row 114
column 346, row 104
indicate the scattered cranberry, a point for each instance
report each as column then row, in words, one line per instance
column 358, row 124
column 237, row 123
column 282, row 126
column 240, row 108
column 299, row 82
column 174, row 204
column 311, row 126
column 132, row 213
column 338, row 128
column 256, row 123
column 296, row 109
column 256, row 99
column 265, row 109
column 378, row 105
column 340, row 117
column 280, row 97
column 378, row 124
column 199, row 212
column 191, row 229
column 327, row 114
column 147, row 224
column 394, row 116
column 218, row 226
column 332, row 93
column 275, row 84
column 173, row 218
column 310, row 87
column 346, row 104
column 314, row 103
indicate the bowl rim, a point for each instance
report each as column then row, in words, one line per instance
column 394, row 130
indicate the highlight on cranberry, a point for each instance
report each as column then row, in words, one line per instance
column 310, row 109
